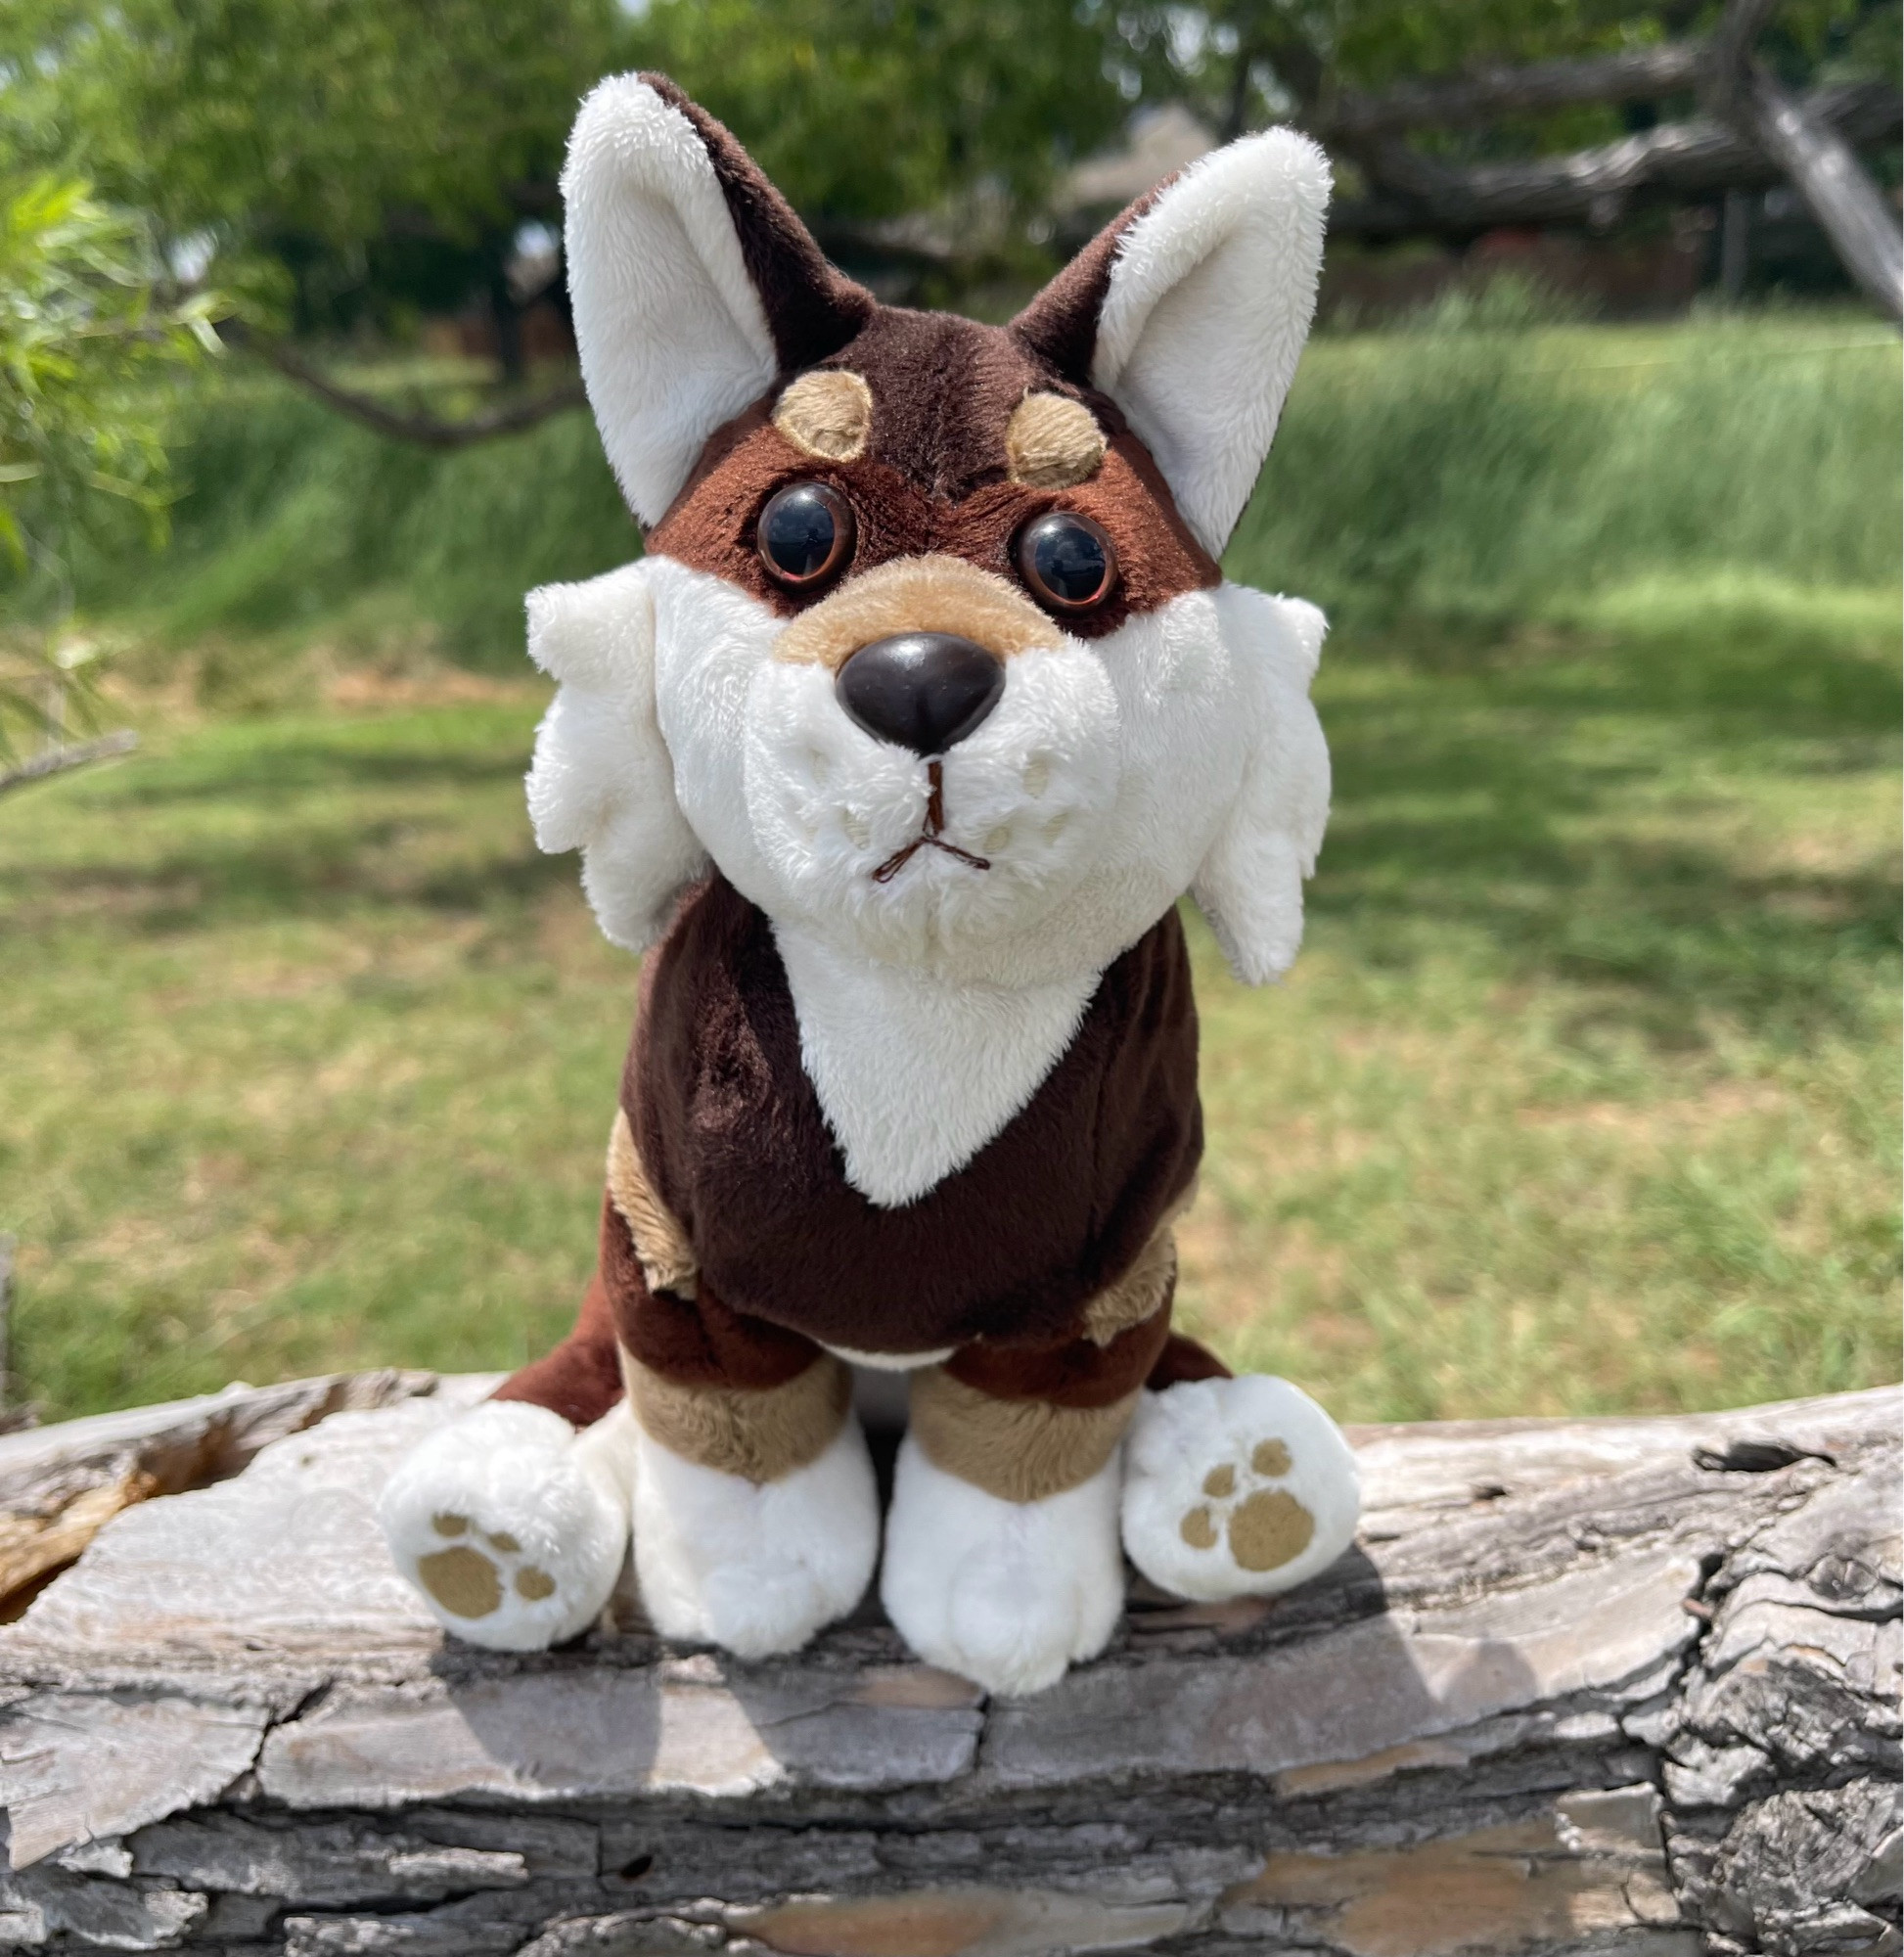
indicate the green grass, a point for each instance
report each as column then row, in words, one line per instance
column 1583, row 1095
column 1460, row 471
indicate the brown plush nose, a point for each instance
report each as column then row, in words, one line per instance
column 921, row 690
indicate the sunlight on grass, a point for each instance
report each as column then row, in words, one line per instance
column 1581, row 1096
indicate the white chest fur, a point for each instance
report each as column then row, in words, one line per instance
column 915, row 1076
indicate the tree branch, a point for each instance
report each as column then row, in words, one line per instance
column 58, row 759
column 1414, row 192
column 423, row 430
column 1512, row 91
column 1836, row 189
column 1723, row 85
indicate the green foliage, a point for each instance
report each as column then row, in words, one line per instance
column 81, row 334
column 319, row 117
column 1469, row 467
column 1489, row 468
column 82, row 339
column 867, row 108
column 296, row 523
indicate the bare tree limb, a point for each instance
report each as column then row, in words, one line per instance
column 1414, row 192
column 57, row 760
column 1723, row 85
column 422, row 429
column 1636, row 75
column 1836, row 189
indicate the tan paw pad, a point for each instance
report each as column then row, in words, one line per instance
column 463, row 1580
column 1266, row 1527
column 468, row 1581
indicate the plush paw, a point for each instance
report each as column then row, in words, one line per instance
column 1237, row 1487
column 512, row 1525
column 1006, row 1594
column 756, row 1567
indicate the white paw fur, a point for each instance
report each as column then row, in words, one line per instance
column 755, row 1567
column 512, row 1525
column 1006, row 1594
column 1237, row 1487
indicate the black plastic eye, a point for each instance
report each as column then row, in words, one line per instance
column 1067, row 560
column 805, row 533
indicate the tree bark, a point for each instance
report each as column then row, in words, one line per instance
column 75, row 754
column 1457, row 102
column 1622, row 1686
column 423, row 430
column 1411, row 193
column 1837, row 190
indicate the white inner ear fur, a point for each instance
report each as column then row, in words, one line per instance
column 672, row 336
column 601, row 779
column 1210, row 298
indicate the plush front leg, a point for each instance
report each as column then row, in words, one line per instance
column 1237, row 1487
column 510, row 1523
column 1006, row 1594
column 1002, row 1561
column 756, row 1513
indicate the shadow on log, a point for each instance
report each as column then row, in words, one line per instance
column 1622, row 1686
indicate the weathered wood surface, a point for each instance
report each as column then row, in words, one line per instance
column 1620, row 1686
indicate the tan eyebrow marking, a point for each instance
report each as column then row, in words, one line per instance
column 827, row 415
column 1052, row 443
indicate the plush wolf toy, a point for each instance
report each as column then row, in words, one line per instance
column 899, row 746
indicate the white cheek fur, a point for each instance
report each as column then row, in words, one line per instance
column 1181, row 751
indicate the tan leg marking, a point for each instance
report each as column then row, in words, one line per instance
column 535, row 1583
column 1137, row 1295
column 1269, row 1529
column 1220, row 1481
column 760, row 1433
column 1020, row 1451
column 1271, row 1457
column 463, row 1580
column 667, row 1259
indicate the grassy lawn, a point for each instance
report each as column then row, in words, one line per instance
column 1583, row 1095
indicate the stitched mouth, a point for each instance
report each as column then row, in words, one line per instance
column 930, row 837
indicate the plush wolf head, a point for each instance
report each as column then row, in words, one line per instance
column 930, row 653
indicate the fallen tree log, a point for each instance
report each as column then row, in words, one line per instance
column 1622, row 1686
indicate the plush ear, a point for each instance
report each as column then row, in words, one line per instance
column 694, row 285
column 1250, row 883
column 602, row 781
column 1190, row 312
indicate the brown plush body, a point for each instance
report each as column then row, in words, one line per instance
column 1044, row 1264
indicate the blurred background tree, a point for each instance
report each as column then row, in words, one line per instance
column 86, row 321
column 352, row 165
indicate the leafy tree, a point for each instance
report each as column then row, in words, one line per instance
column 870, row 108
column 83, row 333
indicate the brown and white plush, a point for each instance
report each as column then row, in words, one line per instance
column 913, row 1084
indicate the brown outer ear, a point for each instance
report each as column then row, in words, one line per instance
column 1061, row 325
column 812, row 310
